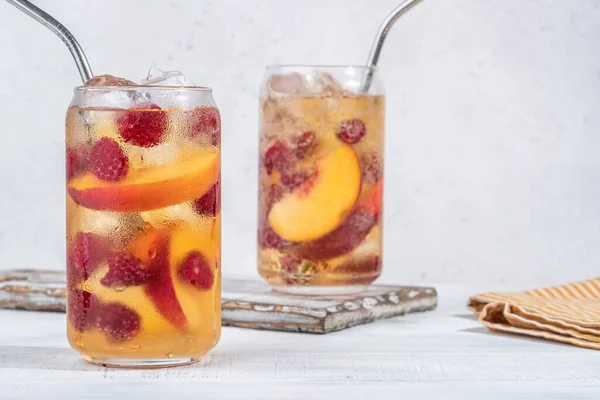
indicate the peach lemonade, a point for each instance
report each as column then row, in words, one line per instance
column 320, row 181
column 143, row 224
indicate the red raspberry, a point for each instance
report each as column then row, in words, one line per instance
column 290, row 263
column 269, row 239
column 291, row 181
column 82, row 309
column 118, row 322
column 143, row 126
column 108, row 80
column 275, row 194
column 351, row 131
column 278, row 157
column 304, row 144
column 209, row 203
column 86, row 252
column 109, row 161
column 195, row 270
column 75, row 161
column 206, row 121
column 125, row 270
column 371, row 167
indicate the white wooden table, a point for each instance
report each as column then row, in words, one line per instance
column 440, row 354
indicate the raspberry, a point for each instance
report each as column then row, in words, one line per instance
column 209, row 203
column 108, row 160
column 125, row 270
column 118, row 322
column 269, row 239
column 290, row 263
column 108, row 80
column 206, row 121
column 351, row 131
column 75, row 161
column 195, row 270
column 82, row 308
column 371, row 167
column 277, row 157
column 304, row 144
column 143, row 126
column 291, row 181
column 85, row 254
column 275, row 194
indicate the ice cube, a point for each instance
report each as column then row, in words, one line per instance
column 121, row 228
column 158, row 77
column 108, row 80
column 179, row 213
column 323, row 84
column 314, row 83
column 102, row 123
column 286, row 84
column 156, row 156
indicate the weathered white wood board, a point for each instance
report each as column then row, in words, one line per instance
column 442, row 354
column 246, row 303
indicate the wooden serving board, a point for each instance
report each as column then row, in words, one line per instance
column 245, row 303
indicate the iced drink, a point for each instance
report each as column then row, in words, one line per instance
column 143, row 223
column 320, row 180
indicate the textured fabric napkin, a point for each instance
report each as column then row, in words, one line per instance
column 567, row 313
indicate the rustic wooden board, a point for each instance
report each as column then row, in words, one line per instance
column 246, row 304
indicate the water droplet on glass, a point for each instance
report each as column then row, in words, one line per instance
column 170, row 354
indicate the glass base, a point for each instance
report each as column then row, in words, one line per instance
column 301, row 290
column 114, row 362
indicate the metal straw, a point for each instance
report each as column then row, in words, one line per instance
column 63, row 33
column 380, row 38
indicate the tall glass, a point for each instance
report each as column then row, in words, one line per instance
column 320, row 179
column 143, row 224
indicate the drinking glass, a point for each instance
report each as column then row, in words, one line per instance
column 321, row 141
column 143, row 224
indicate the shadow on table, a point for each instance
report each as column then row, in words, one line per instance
column 515, row 336
column 470, row 316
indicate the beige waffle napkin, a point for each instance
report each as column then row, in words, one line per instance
column 567, row 313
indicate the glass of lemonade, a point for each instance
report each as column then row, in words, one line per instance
column 320, row 179
column 143, row 224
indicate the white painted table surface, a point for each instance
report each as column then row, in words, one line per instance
column 440, row 354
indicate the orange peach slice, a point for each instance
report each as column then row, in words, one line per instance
column 199, row 307
column 151, row 188
column 349, row 234
column 321, row 204
column 178, row 302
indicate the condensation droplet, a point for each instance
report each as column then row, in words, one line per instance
column 170, row 354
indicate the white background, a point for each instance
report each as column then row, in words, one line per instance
column 493, row 122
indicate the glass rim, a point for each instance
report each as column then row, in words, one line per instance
column 331, row 66
column 134, row 88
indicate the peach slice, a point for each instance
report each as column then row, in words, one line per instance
column 152, row 322
column 151, row 188
column 349, row 234
column 160, row 288
column 319, row 205
column 181, row 304
column 200, row 307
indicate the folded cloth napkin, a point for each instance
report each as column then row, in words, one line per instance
column 567, row 313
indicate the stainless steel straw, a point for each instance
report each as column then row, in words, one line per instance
column 63, row 33
column 380, row 38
